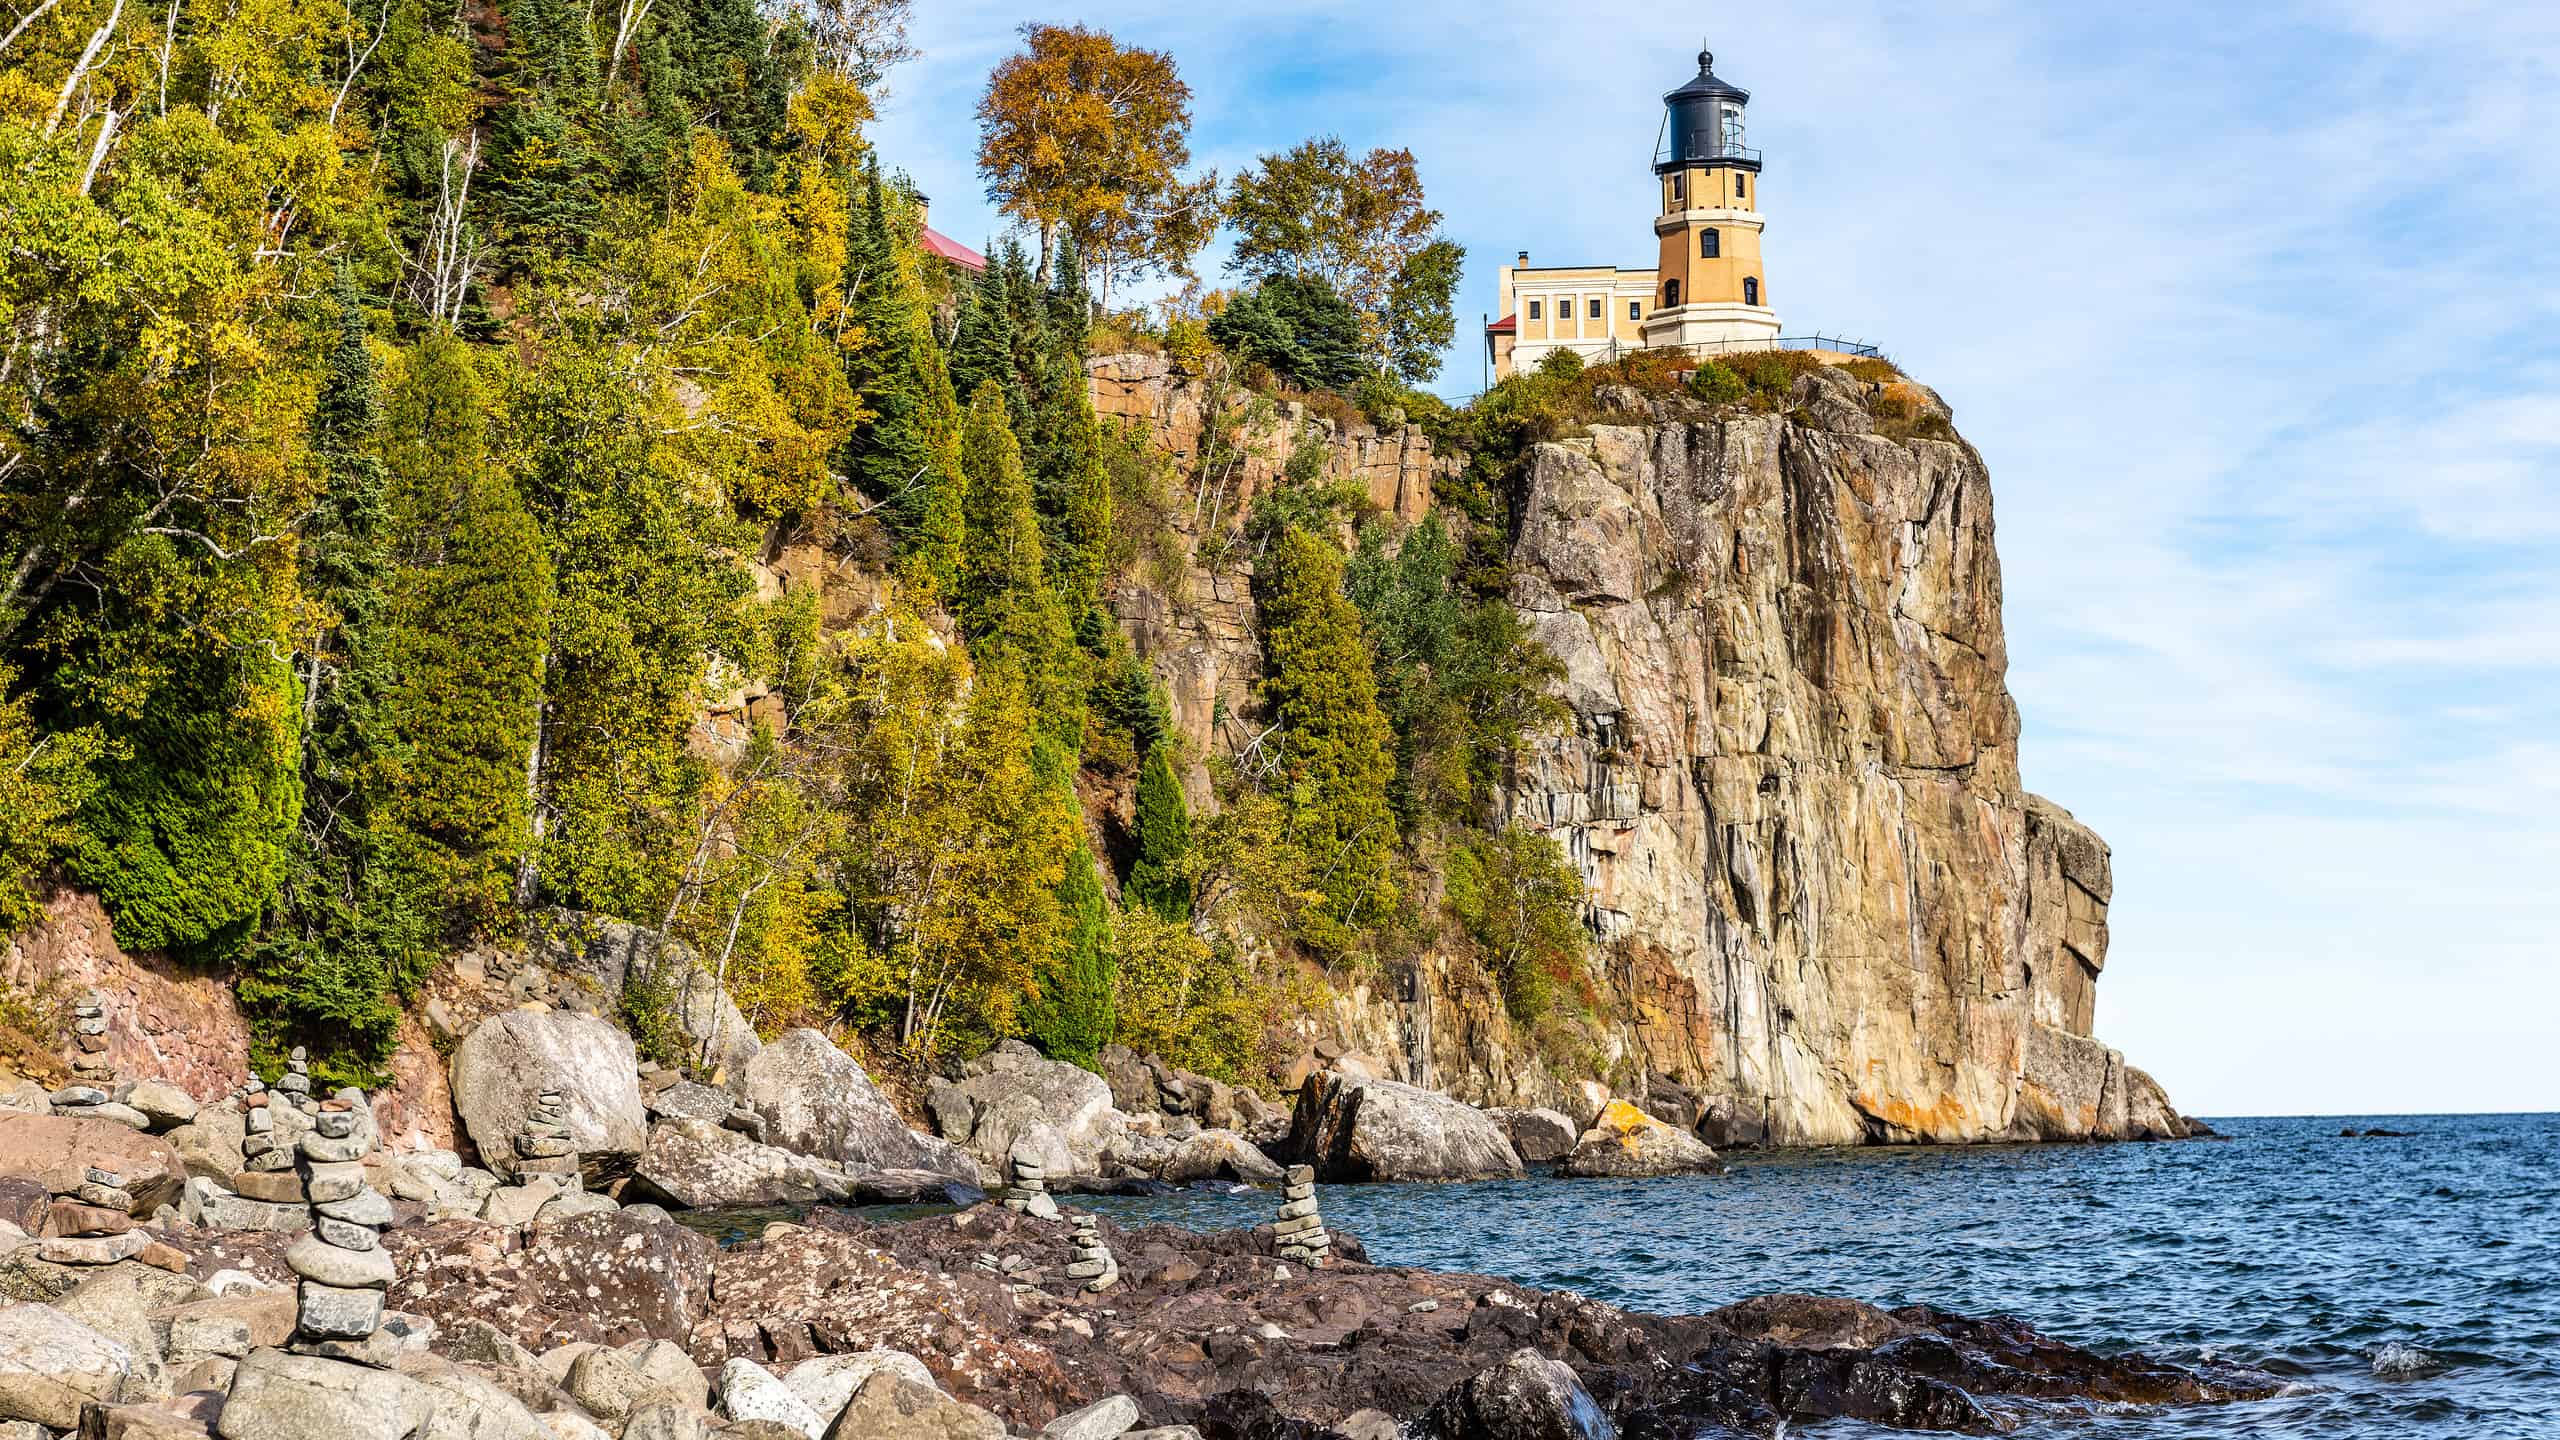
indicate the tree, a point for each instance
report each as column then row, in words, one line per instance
column 1081, row 134
column 470, row 610
column 1337, row 757
column 1004, row 598
column 1073, row 1009
column 905, row 457
column 1157, row 879
column 1297, row 326
column 858, row 40
column 1521, row 899
column 1363, row 228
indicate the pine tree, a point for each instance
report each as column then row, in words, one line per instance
column 982, row 342
column 1338, row 756
column 470, row 611
column 327, row 973
column 1005, row 601
column 906, row 456
column 1072, row 1015
column 1066, row 444
column 1164, row 838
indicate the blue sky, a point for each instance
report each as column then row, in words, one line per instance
column 2252, row 312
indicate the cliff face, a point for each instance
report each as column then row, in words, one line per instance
column 1827, row 910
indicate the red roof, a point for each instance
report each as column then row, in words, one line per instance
column 1507, row 325
column 937, row 243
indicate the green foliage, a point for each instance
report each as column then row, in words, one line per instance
column 1197, row 1005
column 906, row 456
column 43, row 781
column 1296, row 326
column 1337, row 758
column 1011, row 614
column 1521, row 900
column 1158, row 879
column 1716, row 383
column 1419, row 321
column 1072, row 1014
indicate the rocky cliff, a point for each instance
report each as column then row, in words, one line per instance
column 1826, row 909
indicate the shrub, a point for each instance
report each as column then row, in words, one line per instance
column 1308, row 335
column 1521, row 901
column 1874, row 370
column 1716, row 383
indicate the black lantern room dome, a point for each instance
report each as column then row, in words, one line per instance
column 1702, row 123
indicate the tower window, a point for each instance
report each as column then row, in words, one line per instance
column 1750, row 289
column 1675, row 189
column 1710, row 244
column 1670, row 294
column 1595, row 309
column 1534, row 312
column 1740, row 184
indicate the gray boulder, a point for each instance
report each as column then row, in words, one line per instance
column 1626, row 1142
column 509, row 1059
column 891, row 1406
column 748, row 1391
column 1220, row 1155
column 165, row 1105
column 1541, row 1136
column 817, row 1100
column 1107, row 1419
column 826, row 1384
column 278, row 1396
column 1354, row 1130
column 52, row 1364
column 209, row 1145
column 697, row 1164
column 632, row 969
column 1526, row 1397
column 1016, row 1097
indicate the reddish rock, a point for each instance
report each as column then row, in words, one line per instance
column 607, row 1279
column 57, row 1151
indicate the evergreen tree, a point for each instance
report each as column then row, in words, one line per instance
column 1156, row 880
column 1005, row 601
column 1072, row 1015
column 1337, row 755
column 470, row 608
column 1065, row 444
column 1298, row 327
column 906, row 456
column 330, row 969
column 982, row 342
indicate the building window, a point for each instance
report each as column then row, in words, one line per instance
column 1710, row 244
column 1595, row 309
column 1675, row 189
column 1750, row 289
column 1533, row 310
column 1739, row 185
column 1670, row 294
column 1635, row 309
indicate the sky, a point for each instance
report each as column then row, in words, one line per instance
column 2251, row 311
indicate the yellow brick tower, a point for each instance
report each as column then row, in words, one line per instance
column 1710, row 287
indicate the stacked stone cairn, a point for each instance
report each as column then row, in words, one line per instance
column 1029, row 1192
column 1093, row 1264
column 544, row 1149
column 341, row 1266
column 93, row 1078
column 267, row 1155
column 1303, row 1237
column 94, row 1224
column 295, row 1083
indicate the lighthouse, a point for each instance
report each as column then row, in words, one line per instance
column 1710, row 285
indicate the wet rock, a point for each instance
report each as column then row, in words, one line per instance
column 1541, row 1137
column 1526, row 1397
column 508, row 1060
column 1355, row 1130
column 1626, row 1142
column 817, row 1100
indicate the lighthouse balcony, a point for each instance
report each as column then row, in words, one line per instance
column 1712, row 324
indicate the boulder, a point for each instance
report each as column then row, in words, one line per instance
column 640, row 973
column 1220, row 1155
column 511, row 1058
column 686, row 1100
column 1064, row 1112
column 610, row 1385
column 827, row 1383
column 1356, row 1130
column 51, row 1365
column 817, row 1100
column 1541, row 1136
column 1106, row 1419
column 465, row 1402
column 697, row 1164
column 1735, row 1122
column 748, row 1391
column 1525, row 1397
column 25, row 1201
column 180, row 1417
column 891, row 1406
column 280, row 1396
column 59, row 1150
column 165, row 1105
column 2070, row 1087
column 570, row 1204
column 209, row 1145
column 607, row 1279
column 2148, row 1113
column 667, row 1366
column 1626, row 1142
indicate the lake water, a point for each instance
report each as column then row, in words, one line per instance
column 2411, row 1286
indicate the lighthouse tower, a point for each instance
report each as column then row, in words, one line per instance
column 1710, row 287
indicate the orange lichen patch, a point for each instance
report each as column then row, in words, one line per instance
column 1623, row 1123
column 1945, row 1118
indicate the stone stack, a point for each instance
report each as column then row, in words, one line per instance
column 94, row 1224
column 1303, row 1237
column 341, row 1266
column 267, row 1154
column 545, row 1148
column 1093, row 1264
column 295, row 1083
column 93, row 1078
column 1029, row 1192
